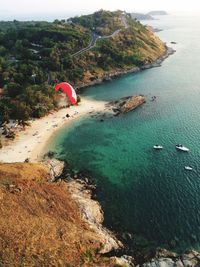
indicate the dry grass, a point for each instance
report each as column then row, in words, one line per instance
column 40, row 224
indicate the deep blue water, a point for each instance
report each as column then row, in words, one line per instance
column 145, row 192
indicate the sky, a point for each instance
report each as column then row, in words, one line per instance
column 13, row 9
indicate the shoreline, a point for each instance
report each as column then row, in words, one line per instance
column 118, row 73
column 31, row 142
column 26, row 140
column 117, row 247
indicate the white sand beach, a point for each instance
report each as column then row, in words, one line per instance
column 31, row 142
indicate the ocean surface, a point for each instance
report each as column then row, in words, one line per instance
column 142, row 191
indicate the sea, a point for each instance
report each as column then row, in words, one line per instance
column 144, row 192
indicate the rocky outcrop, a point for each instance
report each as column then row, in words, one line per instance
column 62, row 224
column 90, row 210
column 165, row 258
column 92, row 213
column 132, row 103
column 158, row 62
column 50, row 224
column 125, row 260
column 150, row 28
column 126, row 104
column 55, row 168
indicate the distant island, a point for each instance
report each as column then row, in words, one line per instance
column 148, row 16
column 157, row 13
column 141, row 16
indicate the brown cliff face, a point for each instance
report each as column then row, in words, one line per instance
column 40, row 223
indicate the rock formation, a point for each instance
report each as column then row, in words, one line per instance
column 92, row 213
column 127, row 104
column 165, row 258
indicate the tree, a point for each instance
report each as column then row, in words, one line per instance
column 21, row 112
column 2, row 50
column 13, row 89
column 5, row 109
column 56, row 21
column 68, row 62
column 19, row 46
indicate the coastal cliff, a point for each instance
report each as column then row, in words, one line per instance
column 50, row 224
column 45, row 223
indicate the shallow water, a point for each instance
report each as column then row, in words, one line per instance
column 142, row 191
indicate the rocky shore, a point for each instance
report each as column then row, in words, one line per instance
column 82, row 189
column 92, row 213
column 165, row 258
column 57, row 221
column 169, row 51
column 108, row 76
column 126, row 104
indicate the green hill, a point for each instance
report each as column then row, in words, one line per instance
column 34, row 55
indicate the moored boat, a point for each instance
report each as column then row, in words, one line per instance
column 158, row 147
column 182, row 148
column 188, row 168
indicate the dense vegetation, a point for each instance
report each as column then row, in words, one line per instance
column 102, row 22
column 34, row 55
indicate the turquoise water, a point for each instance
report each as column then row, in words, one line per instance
column 145, row 192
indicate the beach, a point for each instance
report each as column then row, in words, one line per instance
column 30, row 143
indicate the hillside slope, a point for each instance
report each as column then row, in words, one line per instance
column 35, row 55
column 41, row 223
column 133, row 46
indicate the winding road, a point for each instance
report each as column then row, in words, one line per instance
column 95, row 37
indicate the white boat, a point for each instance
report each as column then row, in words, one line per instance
column 158, row 147
column 188, row 168
column 182, row 148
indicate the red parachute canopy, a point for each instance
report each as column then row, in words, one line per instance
column 69, row 91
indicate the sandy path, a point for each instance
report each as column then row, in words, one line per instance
column 31, row 142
